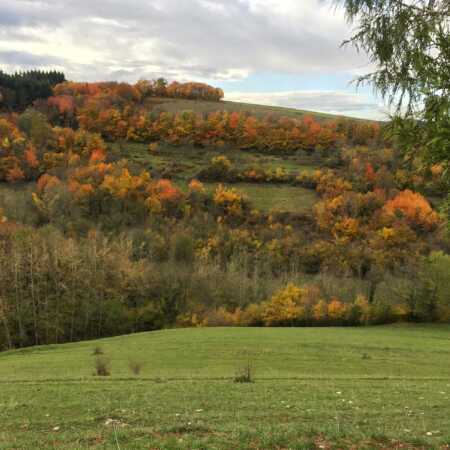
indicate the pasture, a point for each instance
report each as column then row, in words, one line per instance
column 313, row 388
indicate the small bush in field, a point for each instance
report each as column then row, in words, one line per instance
column 245, row 373
column 102, row 366
column 135, row 366
column 97, row 351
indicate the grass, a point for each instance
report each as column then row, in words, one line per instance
column 271, row 197
column 314, row 388
column 175, row 105
column 184, row 163
column 196, row 159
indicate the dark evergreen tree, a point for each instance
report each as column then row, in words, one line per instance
column 21, row 89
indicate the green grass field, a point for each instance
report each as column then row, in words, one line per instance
column 274, row 197
column 377, row 387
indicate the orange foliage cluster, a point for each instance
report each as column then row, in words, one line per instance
column 229, row 201
column 141, row 90
column 294, row 306
column 47, row 182
column 215, row 129
column 64, row 103
column 21, row 159
column 120, row 111
column 414, row 207
column 15, row 174
column 194, row 91
column 366, row 233
column 12, row 144
column 96, row 185
column 31, row 157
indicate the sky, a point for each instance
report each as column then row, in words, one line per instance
column 274, row 52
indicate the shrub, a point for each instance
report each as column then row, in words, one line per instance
column 285, row 307
column 135, row 366
column 245, row 373
column 380, row 312
column 252, row 315
column 222, row 318
column 184, row 249
column 220, row 169
column 363, row 305
column 97, row 351
column 102, row 366
column 230, row 202
column 336, row 310
column 415, row 208
column 320, row 311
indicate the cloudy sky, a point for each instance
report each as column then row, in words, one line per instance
column 280, row 52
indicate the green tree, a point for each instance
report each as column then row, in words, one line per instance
column 409, row 42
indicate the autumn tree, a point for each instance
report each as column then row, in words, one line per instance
column 415, row 208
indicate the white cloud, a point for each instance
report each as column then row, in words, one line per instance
column 332, row 102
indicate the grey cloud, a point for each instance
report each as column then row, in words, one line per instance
column 9, row 19
column 26, row 59
column 189, row 38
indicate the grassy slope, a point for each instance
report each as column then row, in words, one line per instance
column 275, row 197
column 343, row 384
column 175, row 105
column 186, row 162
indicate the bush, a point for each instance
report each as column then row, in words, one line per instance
column 245, row 373
column 102, row 366
column 252, row 315
column 220, row 169
column 381, row 313
column 184, row 249
column 97, row 351
column 285, row 307
column 222, row 318
column 135, row 366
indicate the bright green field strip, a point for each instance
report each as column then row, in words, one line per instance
column 367, row 387
column 222, row 415
column 405, row 352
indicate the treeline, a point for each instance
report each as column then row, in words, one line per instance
column 141, row 91
column 57, row 288
column 119, row 111
column 20, row 90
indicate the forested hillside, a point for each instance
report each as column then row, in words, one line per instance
column 120, row 215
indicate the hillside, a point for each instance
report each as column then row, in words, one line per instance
column 182, row 164
column 118, row 216
column 311, row 386
column 185, row 163
column 200, row 106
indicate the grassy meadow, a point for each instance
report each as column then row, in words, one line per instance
column 181, row 164
column 313, row 388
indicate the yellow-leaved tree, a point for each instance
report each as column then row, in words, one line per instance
column 285, row 307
